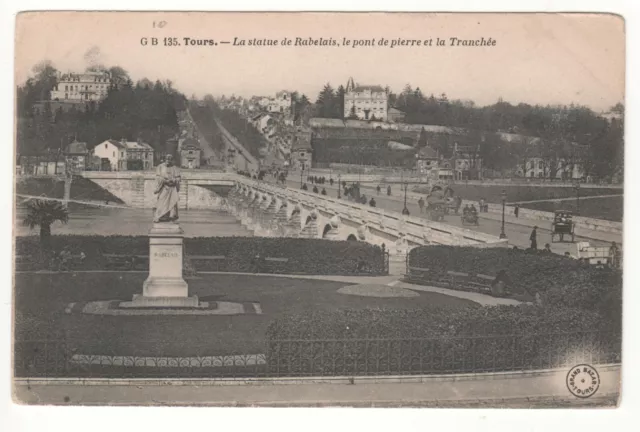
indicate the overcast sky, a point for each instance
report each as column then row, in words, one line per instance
column 537, row 59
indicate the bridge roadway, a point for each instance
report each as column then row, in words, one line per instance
column 517, row 230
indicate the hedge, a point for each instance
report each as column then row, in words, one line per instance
column 359, row 342
column 531, row 272
column 242, row 254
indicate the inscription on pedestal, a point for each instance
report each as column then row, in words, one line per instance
column 166, row 260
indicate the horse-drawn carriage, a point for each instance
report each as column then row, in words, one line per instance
column 441, row 202
column 436, row 211
column 452, row 205
column 562, row 226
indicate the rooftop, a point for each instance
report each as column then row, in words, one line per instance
column 76, row 147
column 427, row 153
column 372, row 88
column 131, row 145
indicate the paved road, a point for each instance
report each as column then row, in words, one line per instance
column 517, row 234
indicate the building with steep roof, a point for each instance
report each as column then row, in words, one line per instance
column 190, row 152
column 365, row 102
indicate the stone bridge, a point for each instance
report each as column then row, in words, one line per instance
column 200, row 189
column 274, row 211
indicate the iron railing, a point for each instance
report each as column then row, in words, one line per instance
column 324, row 357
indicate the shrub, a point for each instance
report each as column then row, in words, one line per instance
column 355, row 342
column 242, row 254
column 534, row 272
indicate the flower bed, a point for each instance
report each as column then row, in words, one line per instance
column 356, row 342
column 237, row 254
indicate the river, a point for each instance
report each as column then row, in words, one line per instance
column 91, row 220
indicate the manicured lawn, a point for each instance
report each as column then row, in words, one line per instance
column 610, row 208
column 40, row 301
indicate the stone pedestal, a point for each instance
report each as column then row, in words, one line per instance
column 165, row 286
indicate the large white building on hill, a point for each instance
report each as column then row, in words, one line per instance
column 365, row 102
column 81, row 87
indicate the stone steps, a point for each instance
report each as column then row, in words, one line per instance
column 137, row 192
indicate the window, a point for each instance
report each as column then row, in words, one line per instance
column 105, row 145
column 540, row 166
column 301, row 154
column 114, row 154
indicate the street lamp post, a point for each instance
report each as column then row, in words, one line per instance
column 576, row 186
column 339, row 186
column 405, row 210
column 503, row 235
column 301, row 172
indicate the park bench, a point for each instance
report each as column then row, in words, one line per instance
column 126, row 262
column 272, row 265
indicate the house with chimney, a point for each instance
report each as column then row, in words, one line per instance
column 126, row 155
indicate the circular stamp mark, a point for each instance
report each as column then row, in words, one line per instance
column 583, row 381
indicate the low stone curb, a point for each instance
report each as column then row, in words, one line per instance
column 392, row 379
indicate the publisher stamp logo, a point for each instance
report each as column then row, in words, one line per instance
column 583, row 381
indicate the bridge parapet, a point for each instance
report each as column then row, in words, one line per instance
column 308, row 214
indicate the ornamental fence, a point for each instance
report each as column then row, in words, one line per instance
column 279, row 358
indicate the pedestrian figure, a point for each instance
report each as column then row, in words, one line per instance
column 534, row 238
column 315, row 189
column 516, row 210
column 481, row 204
column 304, row 187
column 363, row 199
column 614, row 255
column 331, row 182
column 378, row 189
column 324, row 192
column 547, row 247
column 421, row 204
column 389, row 190
column 372, row 202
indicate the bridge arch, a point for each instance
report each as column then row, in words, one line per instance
column 352, row 238
column 326, row 230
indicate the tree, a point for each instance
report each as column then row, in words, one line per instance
column 325, row 104
column 118, row 75
column 352, row 113
column 422, row 140
column 339, row 102
column 46, row 77
column 44, row 213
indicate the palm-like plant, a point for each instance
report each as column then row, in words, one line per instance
column 43, row 213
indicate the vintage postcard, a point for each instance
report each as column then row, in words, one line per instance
column 317, row 209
